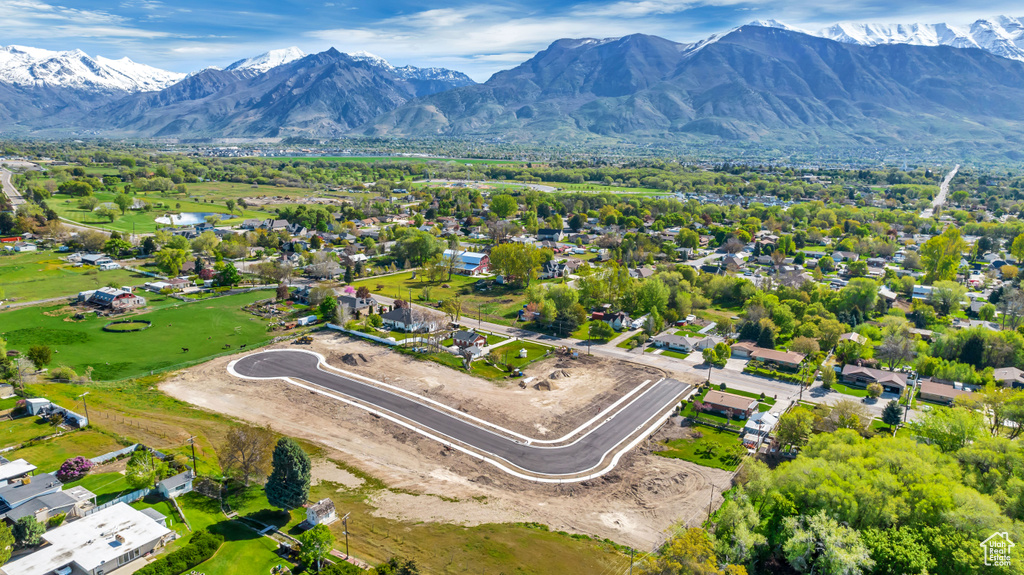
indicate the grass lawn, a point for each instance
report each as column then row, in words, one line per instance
column 718, row 449
column 120, row 355
column 534, row 352
column 9, row 403
column 499, row 304
column 141, row 221
column 201, row 511
column 106, row 486
column 583, row 332
column 165, row 508
column 32, row 276
column 244, row 552
column 48, row 455
column 23, row 429
column 675, row 354
column 854, row 391
column 252, row 502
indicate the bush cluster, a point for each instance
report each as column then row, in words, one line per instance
column 201, row 547
column 772, row 373
column 74, row 469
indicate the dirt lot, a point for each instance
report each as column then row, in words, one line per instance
column 560, row 405
column 634, row 504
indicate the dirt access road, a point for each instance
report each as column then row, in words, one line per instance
column 635, row 504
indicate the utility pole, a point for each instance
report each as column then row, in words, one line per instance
column 344, row 522
column 86, row 406
column 630, row 561
column 195, row 466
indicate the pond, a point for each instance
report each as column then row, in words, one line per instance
column 189, row 218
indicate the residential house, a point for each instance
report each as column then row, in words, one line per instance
column 18, row 493
column 743, row 349
column 176, row 485
column 726, row 403
column 250, row 224
column 274, row 225
column 12, row 470
column 854, row 337
column 112, row 299
column 931, row 390
column 686, row 343
column 619, row 320
column 550, row 234
column 401, row 319
column 557, row 269
column 758, row 427
column 642, row 272
column 858, row 376
column 785, row 359
column 97, row 544
column 322, row 512
column 845, row 256
column 733, row 262
column 464, row 339
column 72, row 502
column 357, row 305
column 468, row 263
column 1009, row 377
column 24, row 247
column 921, row 292
column 95, row 259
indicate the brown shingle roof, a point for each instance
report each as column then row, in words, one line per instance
column 737, row 402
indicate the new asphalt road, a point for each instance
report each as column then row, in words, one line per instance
column 583, row 455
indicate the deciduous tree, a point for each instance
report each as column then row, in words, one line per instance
column 247, row 452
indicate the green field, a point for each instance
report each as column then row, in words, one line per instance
column 605, row 188
column 718, row 449
column 120, row 355
column 23, row 429
column 499, row 304
column 50, row 454
column 141, row 221
column 106, row 486
column 33, row 276
column 675, row 354
column 846, row 390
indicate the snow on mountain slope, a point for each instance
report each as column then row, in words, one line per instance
column 412, row 72
column 1002, row 35
column 268, row 60
column 25, row 66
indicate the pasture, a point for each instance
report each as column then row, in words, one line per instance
column 34, row 276
column 204, row 328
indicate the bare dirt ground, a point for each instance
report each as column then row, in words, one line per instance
column 592, row 385
column 635, row 504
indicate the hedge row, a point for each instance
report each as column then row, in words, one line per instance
column 201, row 547
column 775, row 374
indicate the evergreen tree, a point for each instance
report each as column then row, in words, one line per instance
column 288, row 485
column 750, row 331
column 766, row 339
column 892, row 415
column 348, row 274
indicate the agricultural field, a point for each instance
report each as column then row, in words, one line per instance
column 34, row 276
column 172, row 340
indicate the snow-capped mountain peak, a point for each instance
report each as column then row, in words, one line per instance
column 268, row 60
column 364, row 56
column 26, row 66
column 1002, row 35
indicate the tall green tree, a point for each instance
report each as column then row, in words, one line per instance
column 503, row 205
column 28, row 531
column 288, row 484
column 941, row 255
column 892, row 415
column 818, row 544
column 317, row 544
column 39, row 355
column 123, row 202
column 950, row 428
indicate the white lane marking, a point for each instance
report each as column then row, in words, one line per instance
column 539, row 477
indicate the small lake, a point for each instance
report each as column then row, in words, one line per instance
column 189, row 218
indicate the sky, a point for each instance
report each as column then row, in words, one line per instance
column 478, row 38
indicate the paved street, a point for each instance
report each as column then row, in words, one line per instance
column 8, row 187
column 583, row 455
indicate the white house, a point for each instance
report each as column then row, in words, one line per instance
column 179, row 484
column 94, row 545
column 321, row 513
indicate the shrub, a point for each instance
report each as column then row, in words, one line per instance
column 201, row 547
column 56, row 520
column 74, row 469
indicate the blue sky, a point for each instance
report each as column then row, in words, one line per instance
column 478, row 38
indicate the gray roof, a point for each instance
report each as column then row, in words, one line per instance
column 156, row 515
column 177, row 481
column 52, row 501
column 17, row 493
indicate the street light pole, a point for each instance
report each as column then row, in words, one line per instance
column 86, row 407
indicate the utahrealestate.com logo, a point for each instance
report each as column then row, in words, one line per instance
column 997, row 549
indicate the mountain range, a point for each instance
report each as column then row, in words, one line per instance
column 847, row 84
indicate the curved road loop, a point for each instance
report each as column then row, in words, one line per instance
column 594, row 453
